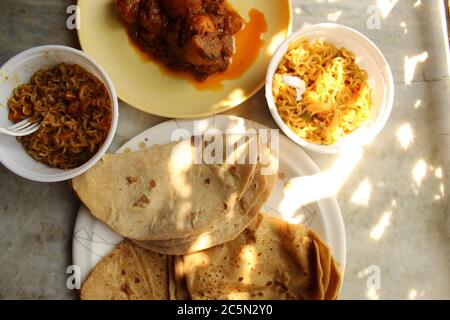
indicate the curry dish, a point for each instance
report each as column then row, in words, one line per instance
column 74, row 109
column 186, row 35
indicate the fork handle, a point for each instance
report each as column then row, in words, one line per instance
column 14, row 134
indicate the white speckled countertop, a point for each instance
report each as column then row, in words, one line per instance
column 393, row 194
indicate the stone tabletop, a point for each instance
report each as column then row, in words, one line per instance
column 393, row 193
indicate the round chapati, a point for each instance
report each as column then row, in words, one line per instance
column 229, row 229
column 160, row 193
column 129, row 272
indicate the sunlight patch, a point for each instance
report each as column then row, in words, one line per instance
column 412, row 294
column 386, row 7
column 362, row 194
column 383, row 223
column 405, row 136
column 372, row 294
column 438, row 173
column 417, row 104
column 334, row 16
column 420, row 172
column 411, row 65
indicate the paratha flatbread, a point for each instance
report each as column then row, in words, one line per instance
column 269, row 260
column 129, row 272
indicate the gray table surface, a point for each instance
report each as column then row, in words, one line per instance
column 393, row 194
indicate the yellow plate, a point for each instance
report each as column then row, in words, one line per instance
column 143, row 85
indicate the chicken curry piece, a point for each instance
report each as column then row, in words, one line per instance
column 186, row 35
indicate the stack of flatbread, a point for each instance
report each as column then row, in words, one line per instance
column 194, row 230
column 167, row 201
column 271, row 259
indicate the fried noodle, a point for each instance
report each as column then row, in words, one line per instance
column 74, row 109
column 337, row 99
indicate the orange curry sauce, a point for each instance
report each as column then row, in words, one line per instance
column 248, row 44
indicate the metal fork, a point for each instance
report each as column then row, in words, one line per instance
column 21, row 129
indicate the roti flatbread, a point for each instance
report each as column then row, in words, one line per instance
column 129, row 272
column 228, row 229
column 271, row 259
column 159, row 193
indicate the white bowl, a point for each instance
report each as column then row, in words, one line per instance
column 19, row 70
column 368, row 56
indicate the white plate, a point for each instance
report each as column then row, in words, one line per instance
column 93, row 240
